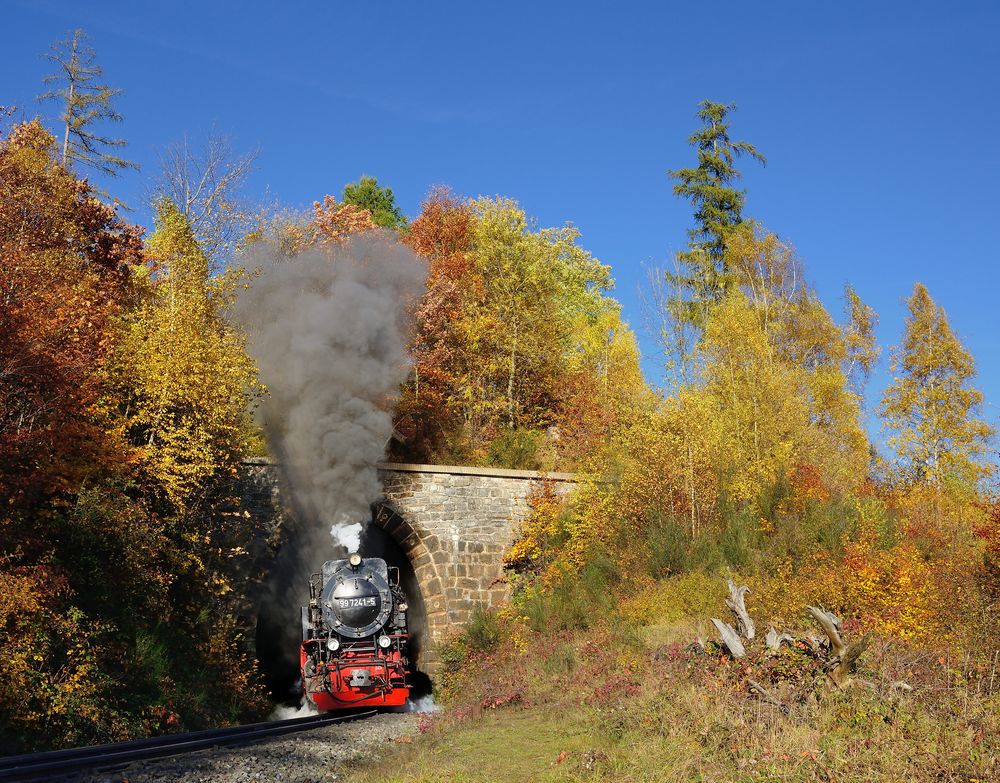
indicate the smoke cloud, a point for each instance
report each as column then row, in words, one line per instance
column 328, row 330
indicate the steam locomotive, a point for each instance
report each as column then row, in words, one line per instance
column 354, row 636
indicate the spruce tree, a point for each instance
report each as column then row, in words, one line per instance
column 86, row 102
column 930, row 407
column 718, row 210
column 380, row 202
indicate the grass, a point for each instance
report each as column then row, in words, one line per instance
column 709, row 730
column 509, row 745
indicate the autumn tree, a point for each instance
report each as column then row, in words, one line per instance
column 428, row 416
column 764, row 387
column 779, row 400
column 931, row 408
column 76, row 84
column 378, row 201
column 534, row 284
column 64, row 277
column 334, row 221
column 206, row 184
column 863, row 351
column 718, row 208
column 189, row 378
column 521, row 358
column 82, row 560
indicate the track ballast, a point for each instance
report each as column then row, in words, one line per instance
column 39, row 766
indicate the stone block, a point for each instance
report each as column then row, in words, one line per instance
column 440, row 557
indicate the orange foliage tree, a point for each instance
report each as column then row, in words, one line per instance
column 63, row 280
column 428, row 418
column 89, row 554
column 335, row 222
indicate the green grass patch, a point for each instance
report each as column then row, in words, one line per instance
column 535, row 744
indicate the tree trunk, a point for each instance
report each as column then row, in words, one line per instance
column 70, row 99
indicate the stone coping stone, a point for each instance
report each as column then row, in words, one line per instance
column 464, row 470
column 452, row 470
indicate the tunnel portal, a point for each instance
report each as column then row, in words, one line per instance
column 446, row 528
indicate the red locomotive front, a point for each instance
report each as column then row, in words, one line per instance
column 354, row 636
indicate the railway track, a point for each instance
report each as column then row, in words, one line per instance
column 59, row 763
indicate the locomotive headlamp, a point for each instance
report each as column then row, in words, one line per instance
column 333, row 644
column 384, row 641
column 354, row 560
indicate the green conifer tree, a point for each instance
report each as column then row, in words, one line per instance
column 718, row 210
column 380, row 202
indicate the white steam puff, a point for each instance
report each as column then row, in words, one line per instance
column 291, row 713
column 328, row 330
column 348, row 536
column 422, row 704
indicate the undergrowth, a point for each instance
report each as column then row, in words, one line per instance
column 626, row 697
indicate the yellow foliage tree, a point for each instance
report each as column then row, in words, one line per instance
column 767, row 404
column 930, row 408
column 191, row 380
column 779, row 395
column 546, row 346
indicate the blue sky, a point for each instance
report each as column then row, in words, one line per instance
column 879, row 121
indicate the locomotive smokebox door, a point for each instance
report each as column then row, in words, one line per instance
column 357, row 602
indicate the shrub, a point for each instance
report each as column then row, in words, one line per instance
column 576, row 600
column 483, row 632
column 518, row 449
column 740, row 532
column 668, row 545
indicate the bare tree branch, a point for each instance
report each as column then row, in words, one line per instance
column 767, row 697
column 206, row 183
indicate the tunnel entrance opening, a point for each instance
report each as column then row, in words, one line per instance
column 279, row 619
column 277, row 653
column 278, row 629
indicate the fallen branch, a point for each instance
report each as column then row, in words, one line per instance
column 730, row 638
column 736, row 602
column 767, row 697
column 843, row 655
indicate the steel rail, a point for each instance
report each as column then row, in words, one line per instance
column 38, row 766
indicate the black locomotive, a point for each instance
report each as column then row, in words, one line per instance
column 354, row 636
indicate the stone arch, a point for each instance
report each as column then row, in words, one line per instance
column 455, row 523
column 414, row 545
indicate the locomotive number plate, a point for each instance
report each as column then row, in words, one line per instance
column 351, row 603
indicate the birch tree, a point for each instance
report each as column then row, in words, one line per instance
column 206, row 182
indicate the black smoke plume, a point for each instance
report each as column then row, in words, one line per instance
column 328, row 329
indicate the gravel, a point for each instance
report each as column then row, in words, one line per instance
column 307, row 757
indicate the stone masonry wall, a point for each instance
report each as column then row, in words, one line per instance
column 456, row 523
